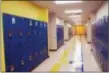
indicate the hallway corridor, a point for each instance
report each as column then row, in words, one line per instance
column 74, row 55
column 54, row 36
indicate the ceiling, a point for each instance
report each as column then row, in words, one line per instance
column 88, row 7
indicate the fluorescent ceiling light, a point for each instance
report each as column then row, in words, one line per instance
column 73, row 11
column 66, row 2
column 75, row 16
column 69, row 25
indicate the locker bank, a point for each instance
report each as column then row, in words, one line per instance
column 54, row 36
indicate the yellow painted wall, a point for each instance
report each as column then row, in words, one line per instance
column 2, row 62
column 79, row 29
column 24, row 9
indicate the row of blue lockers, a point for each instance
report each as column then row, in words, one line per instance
column 100, row 40
column 60, row 36
column 25, row 42
column 101, row 29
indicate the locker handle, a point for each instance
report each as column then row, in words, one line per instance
column 22, row 62
column 36, row 54
column 11, row 68
column 20, row 34
column 30, row 58
column 28, row 33
column 10, row 35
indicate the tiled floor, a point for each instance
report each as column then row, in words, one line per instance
column 89, row 61
column 72, row 61
column 54, row 57
column 75, row 57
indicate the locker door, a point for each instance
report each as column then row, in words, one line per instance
column 57, row 35
column 8, row 30
column 23, row 44
column 45, row 39
column 36, row 43
column 11, row 42
column 31, row 42
column 45, row 44
column 21, row 35
column 105, row 28
column 41, row 41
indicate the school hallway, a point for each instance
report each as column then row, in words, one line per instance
column 74, row 55
column 54, row 36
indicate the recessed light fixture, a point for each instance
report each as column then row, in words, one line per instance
column 69, row 25
column 75, row 16
column 74, row 11
column 66, row 2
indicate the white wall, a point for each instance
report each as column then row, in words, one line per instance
column 52, row 32
column 102, row 11
column 66, row 31
column 52, row 36
column 88, row 25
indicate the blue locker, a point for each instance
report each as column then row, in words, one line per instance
column 11, row 41
column 26, row 44
column 46, row 39
column 42, row 41
column 36, row 43
column 100, row 41
column 60, row 36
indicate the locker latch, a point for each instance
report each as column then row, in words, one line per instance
column 20, row 34
column 11, row 68
column 36, row 54
column 30, row 58
column 10, row 35
column 28, row 33
column 22, row 62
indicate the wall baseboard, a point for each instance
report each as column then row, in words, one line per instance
column 53, row 50
column 89, row 42
column 66, row 40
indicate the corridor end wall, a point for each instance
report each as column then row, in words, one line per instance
column 79, row 29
